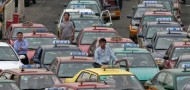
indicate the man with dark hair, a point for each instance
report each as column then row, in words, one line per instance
column 67, row 28
column 103, row 54
column 21, row 47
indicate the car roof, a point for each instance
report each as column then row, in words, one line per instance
column 131, row 50
column 86, row 85
column 4, row 44
column 21, row 25
column 78, row 9
column 101, row 71
column 30, row 71
column 75, row 59
column 39, row 35
column 64, row 46
column 6, row 81
column 150, row 5
column 177, row 72
column 99, row 29
column 158, row 13
column 163, row 23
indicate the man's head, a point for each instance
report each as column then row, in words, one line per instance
column 102, row 42
column 66, row 16
column 19, row 36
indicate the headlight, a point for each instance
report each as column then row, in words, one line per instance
column 134, row 27
column 159, row 60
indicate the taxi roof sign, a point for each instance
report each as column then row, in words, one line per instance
column 87, row 13
column 78, row 6
column 78, row 54
column 164, row 19
column 101, row 25
column 173, row 29
column 131, row 45
column 150, row 2
column 29, row 66
column 55, row 89
column 185, row 66
column 117, row 38
column 61, row 42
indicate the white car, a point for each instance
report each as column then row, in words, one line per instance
column 8, row 57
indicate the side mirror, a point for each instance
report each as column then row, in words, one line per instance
column 21, row 57
column 182, row 25
column 65, row 5
column 140, row 35
column 149, row 46
column 169, row 87
column 166, row 57
column 130, row 17
column 97, row 14
column 137, row 25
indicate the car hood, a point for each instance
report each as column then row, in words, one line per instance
column 30, row 54
column 144, row 73
column 84, row 48
column 10, row 64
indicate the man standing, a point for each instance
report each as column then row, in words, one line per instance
column 103, row 54
column 67, row 28
column 21, row 47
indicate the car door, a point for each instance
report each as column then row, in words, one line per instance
column 37, row 56
column 84, row 76
column 158, row 81
column 169, row 82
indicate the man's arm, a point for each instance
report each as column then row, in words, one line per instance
column 96, row 57
column 16, row 47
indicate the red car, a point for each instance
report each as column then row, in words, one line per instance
column 174, row 51
column 37, row 39
column 83, row 86
column 10, row 34
column 113, row 42
column 88, row 35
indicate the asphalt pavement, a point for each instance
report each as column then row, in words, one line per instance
column 47, row 12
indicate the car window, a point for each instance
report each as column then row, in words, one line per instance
column 93, row 77
column 161, row 77
column 53, row 66
column 7, row 54
column 83, row 76
column 169, row 80
column 6, row 75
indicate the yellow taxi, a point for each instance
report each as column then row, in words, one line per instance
column 110, row 75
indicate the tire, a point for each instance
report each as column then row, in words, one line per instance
column 27, row 3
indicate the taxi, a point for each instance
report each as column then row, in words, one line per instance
column 31, row 77
column 175, row 50
column 8, row 85
column 85, row 4
column 45, row 54
column 26, row 27
column 82, row 86
column 170, row 79
column 150, row 28
column 67, row 67
column 88, row 35
column 140, row 61
column 8, row 57
column 110, row 75
column 161, row 42
column 82, row 20
column 152, row 16
column 183, row 59
column 113, row 42
column 138, row 13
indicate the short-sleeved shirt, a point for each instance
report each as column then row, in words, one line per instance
column 66, row 28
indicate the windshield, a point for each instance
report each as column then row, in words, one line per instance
column 181, row 81
column 167, row 4
column 89, row 37
column 138, row 59
column 117, row 44
column 93, row 7
column 8, row 86
column 122, row 82
column 7, row 54
column 164, row 42
column 153, row 18
column 27, row 30
column 141, row 11
column 84, row 23
column 181, row 63
column 49, row 56
column 69, row 69
column 181, row 51
column 35, row 42
column 38, row 81
column 152, row 30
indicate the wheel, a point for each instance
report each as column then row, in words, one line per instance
column 27, row 3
